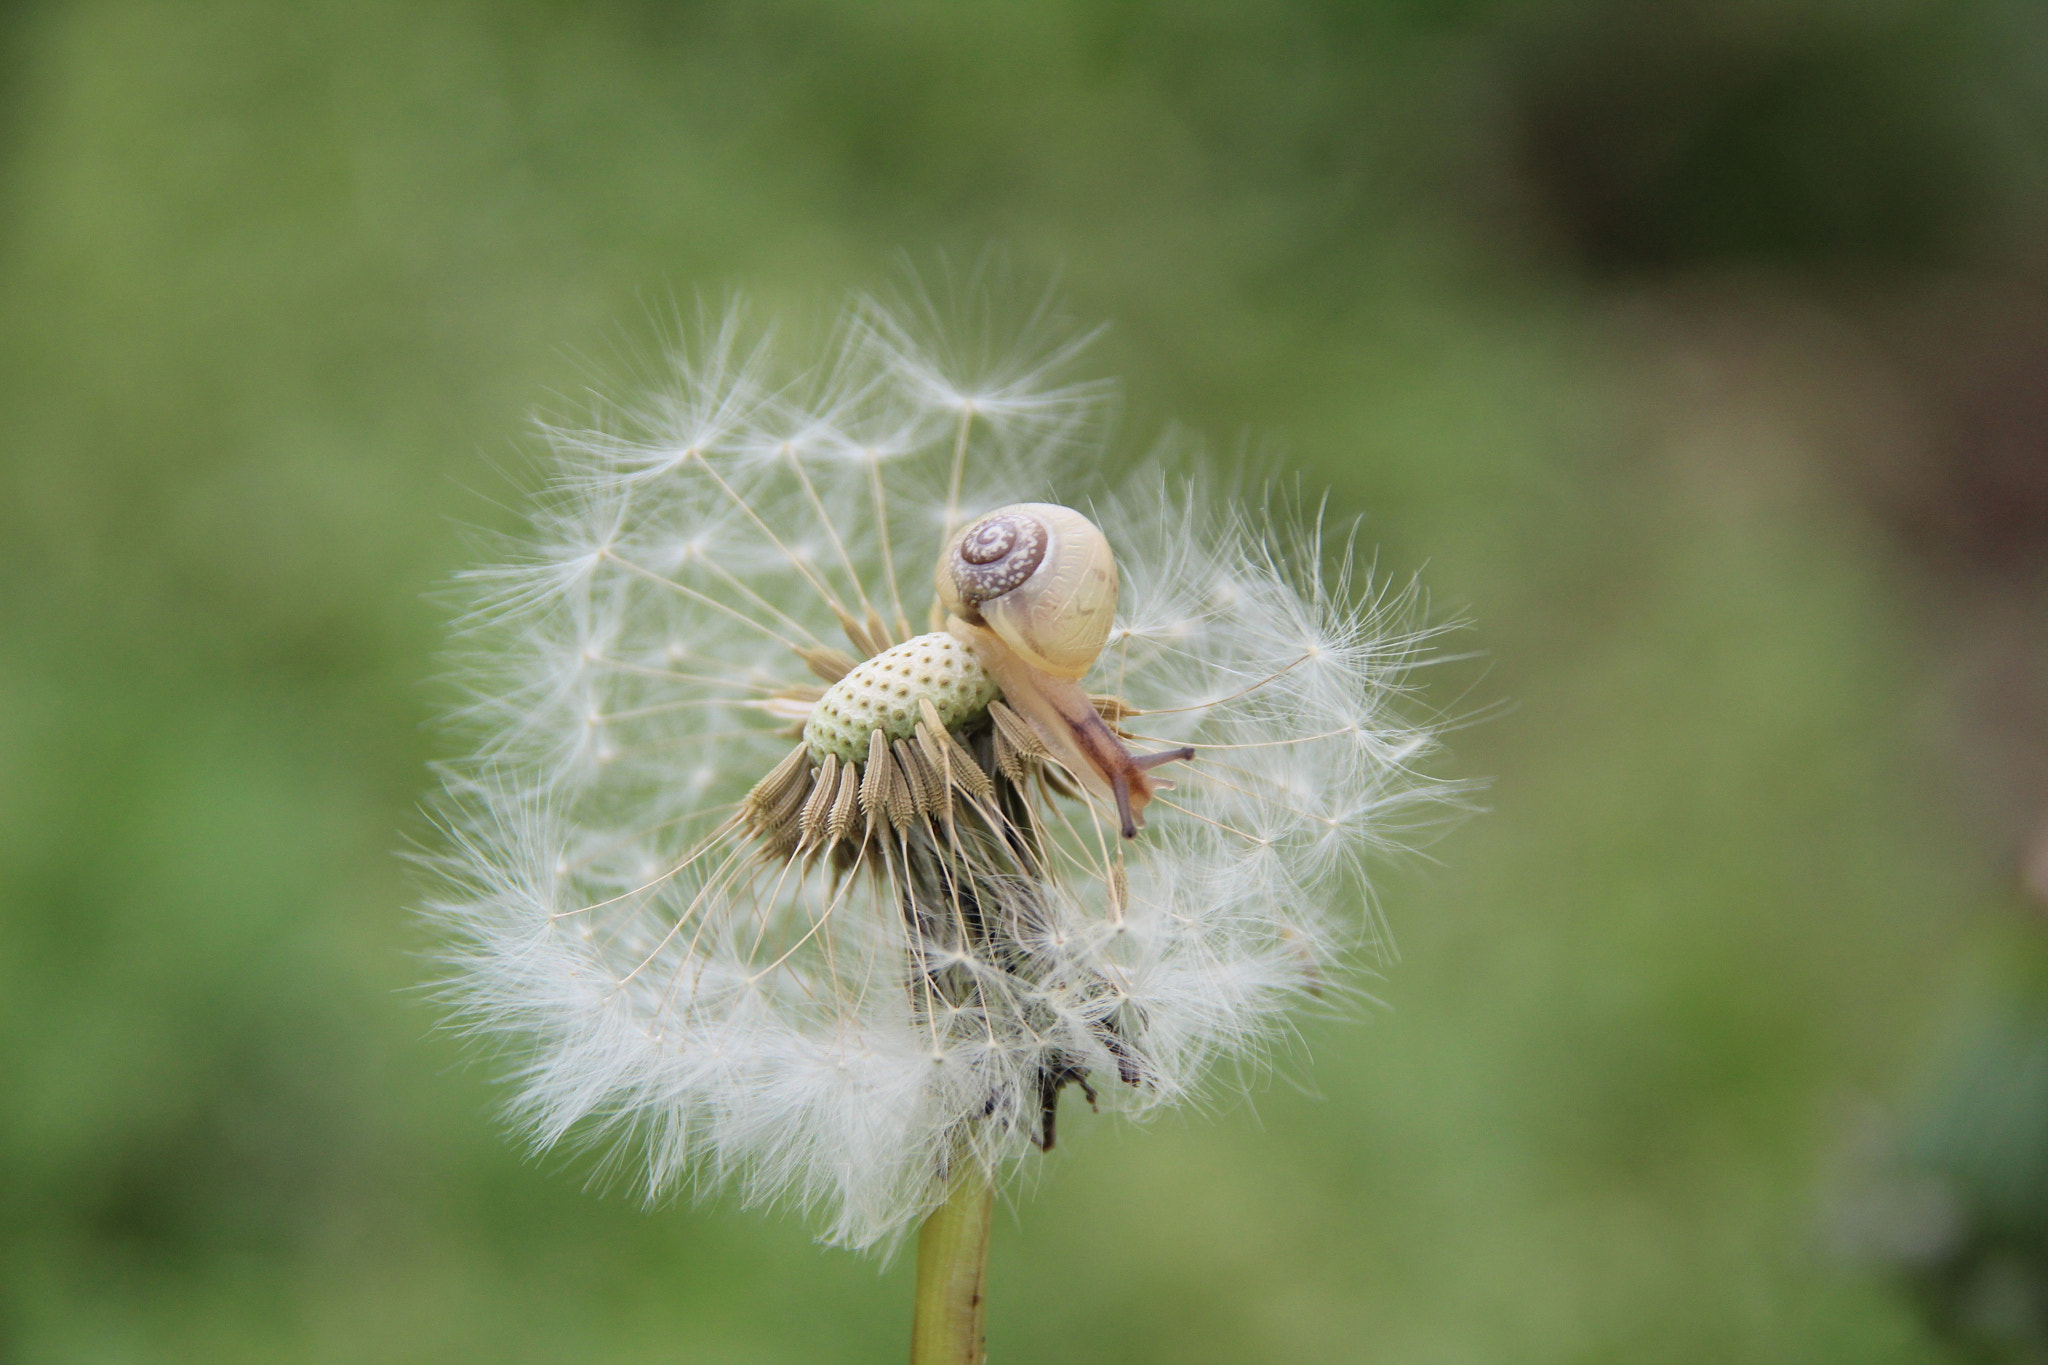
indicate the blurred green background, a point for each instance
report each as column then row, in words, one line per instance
column 1697, row 352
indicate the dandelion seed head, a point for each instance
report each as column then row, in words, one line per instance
column 767, row 864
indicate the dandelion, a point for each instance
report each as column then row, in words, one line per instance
column 845, row 796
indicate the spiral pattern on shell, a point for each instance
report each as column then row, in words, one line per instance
column 997, row 554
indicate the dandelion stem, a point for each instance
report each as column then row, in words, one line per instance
column 952, row 1265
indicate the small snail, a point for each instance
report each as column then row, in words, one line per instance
column 1031, row 589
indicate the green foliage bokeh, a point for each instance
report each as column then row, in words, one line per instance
column 280, row 287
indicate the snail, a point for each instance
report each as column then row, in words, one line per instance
column 1031, row 589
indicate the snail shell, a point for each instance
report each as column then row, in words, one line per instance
column 1040, row 576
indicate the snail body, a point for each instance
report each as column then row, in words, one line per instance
column 1031, row 589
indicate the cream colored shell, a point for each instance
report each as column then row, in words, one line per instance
column 882, row 693
column 1059, row 611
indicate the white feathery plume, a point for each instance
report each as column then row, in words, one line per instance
column 829, row 982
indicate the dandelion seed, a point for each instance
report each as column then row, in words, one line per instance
column 778, row 891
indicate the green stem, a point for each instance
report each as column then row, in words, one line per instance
column 952, row 1263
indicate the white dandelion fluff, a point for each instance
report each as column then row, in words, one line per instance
column 843, row 794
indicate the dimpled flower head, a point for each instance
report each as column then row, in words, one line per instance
column 857, row 772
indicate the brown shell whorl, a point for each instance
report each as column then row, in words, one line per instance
column 996, row 554
column 1041, row 577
